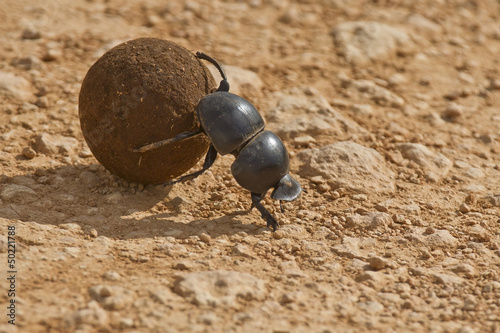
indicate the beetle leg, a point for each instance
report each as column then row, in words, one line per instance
column 253, row 204
column 271, row 221
column 209, row 160
column 281, row 206
column 178, row 137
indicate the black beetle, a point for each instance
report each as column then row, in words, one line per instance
column 234, row 126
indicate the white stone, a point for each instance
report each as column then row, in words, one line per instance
column 434, row 165
column 18, row 193
column 301, row 111
column 16, row 86
column 220, row 288
column 363, row 41
column 55, row 144
column 348, row 165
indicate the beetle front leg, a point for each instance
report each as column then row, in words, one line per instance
column 177, row 138
column 271, row 221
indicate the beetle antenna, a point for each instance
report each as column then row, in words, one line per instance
column 224, row 85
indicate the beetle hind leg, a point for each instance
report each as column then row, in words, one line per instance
column 271, row 221
column 209, row 160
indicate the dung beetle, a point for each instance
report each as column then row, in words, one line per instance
column 234, row 126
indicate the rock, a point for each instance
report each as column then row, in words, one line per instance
column 494, row 200
column 183, row 265
column 363, row 41
column 439, row 238
column 173, row 250
column 480, row 234
column 291, row 297
column 375, row 279
column 379, row 263
column 220, row 288
column 205, row 238
column 31, row 32
column 27, row 63
column 29, row 152
column 371, row 221
column 55, row 144
column 242, row 81
column 112, row 297
column 106, row 47
column 467, row 329
column 92, row 315
column 470, row 303
column 152, row 20
column 453, row 112
column 448, row 279
column 111, row 276
column 303, row 111
column 90, row 179
column 369, row 90
column 474, row 188
column 163, row 296
column 113, row 198
column 304, row 140
column 53, row 52
column 355, row 247
column 348, row 165
column 242, row 250
column 362, row 109
column 15, row 86
column 421, row 23
column 411, row 209
column 291, row 231
column 464, row 208
column 32, row 120
column 474, row 173
column 466, row 269
column 291, row 269
column 434, row 165
column 397, row 79
column 18, row 193
column 73, row 227
column 371, row 307
column 4, row 244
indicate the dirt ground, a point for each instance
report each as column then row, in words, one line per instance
column 391, row 114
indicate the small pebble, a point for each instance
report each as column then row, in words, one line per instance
column 111, row 276
column 464, row 208
column 470, row 303
column 430, row 230
column 31, row 33
column 93, row 233
column 378, row 263
column 381, row 208
column 29, row 152
column 205, row 238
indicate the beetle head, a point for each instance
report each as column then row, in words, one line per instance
column 287, row 189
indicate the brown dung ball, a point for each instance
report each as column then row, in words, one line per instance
column 139, row 92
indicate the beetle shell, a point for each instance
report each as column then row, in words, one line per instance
column 262, row 163
column 228, row 120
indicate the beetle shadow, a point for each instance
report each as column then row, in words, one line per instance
column 90, row 197
column 166, row 225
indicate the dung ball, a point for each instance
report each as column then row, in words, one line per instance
column 139, row 92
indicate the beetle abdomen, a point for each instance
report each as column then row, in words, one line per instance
column 262, row 163
column 228, row 120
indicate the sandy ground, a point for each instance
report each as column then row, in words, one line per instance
column 390, row 112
